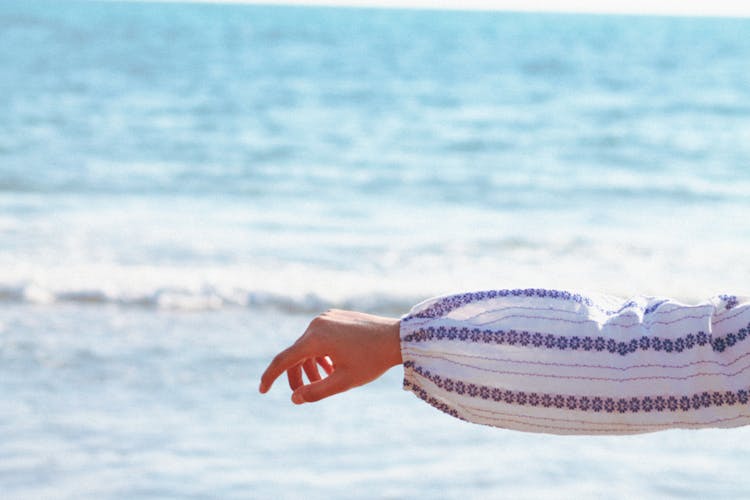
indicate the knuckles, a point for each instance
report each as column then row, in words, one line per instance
column 317, row 322
column 319, row 325
column 319, row 330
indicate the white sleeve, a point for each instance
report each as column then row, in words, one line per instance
column 565, row 363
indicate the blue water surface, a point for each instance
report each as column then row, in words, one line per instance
column 182, row 186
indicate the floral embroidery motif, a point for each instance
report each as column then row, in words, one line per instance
column 447, row 304
column 596, row 404
column 731, row 301
column 450, row 303
column 432, row 401
column 575, row 343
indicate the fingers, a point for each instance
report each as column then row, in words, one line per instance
column 337, row 382
column 311, row 370
column 281, row 363
column 326, row 364
column 294, row 375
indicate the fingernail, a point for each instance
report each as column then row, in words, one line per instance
column 297, row 398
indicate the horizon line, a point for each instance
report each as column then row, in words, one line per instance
column 670, row 8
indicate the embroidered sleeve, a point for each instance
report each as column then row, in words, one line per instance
column 566, row 363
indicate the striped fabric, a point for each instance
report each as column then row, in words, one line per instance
column 565, row 363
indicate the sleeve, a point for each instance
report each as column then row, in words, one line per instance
column 567, row 363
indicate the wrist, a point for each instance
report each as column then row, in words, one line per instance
column 394, row 343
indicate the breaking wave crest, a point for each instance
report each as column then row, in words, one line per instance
column 205, row 298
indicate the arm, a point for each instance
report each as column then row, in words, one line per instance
column 557, row 362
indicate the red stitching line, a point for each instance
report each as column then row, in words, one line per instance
column 713, row 322
column 585, row 422
column 552, row 309
column 416, row 367
column 576, row 365
column 414, row 388
column 578, row 322
column 573, row 377
column 624, row 427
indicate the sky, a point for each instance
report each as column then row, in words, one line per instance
column 732, row 8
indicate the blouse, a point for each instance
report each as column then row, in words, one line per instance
column 567, row 363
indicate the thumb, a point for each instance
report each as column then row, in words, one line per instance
column 333, row 384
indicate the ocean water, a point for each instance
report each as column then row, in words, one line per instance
column 183, row 186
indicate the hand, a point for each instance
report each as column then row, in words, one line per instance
column 352, row 348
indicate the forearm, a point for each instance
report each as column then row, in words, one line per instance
column 556, row 362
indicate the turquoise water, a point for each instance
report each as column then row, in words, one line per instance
column 183, row 186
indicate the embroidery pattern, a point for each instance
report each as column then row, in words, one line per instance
column 510, row 420
column 646, row 404
column 431, row 401
column 453, row 302
column 731, row 301
column 576, row 343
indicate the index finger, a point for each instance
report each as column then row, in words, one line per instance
column 281, row 363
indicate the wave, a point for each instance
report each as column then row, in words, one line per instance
column 205, row 298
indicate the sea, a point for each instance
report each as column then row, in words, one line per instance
column 184, row 186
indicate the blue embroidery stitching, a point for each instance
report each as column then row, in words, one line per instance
column 597, row 404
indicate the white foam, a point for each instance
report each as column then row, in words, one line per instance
column 730, row 8
column 399, row 279
column 190, row 254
